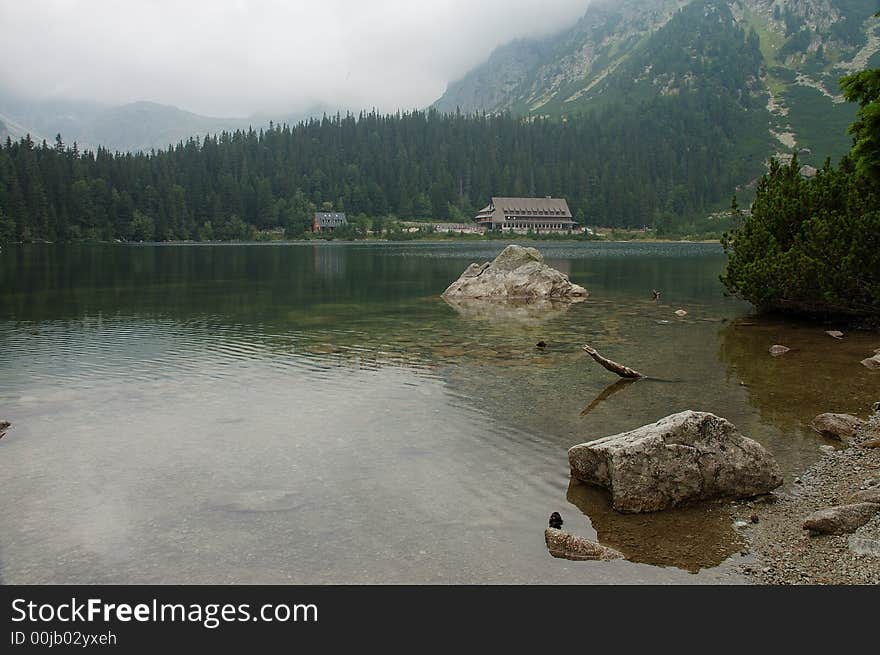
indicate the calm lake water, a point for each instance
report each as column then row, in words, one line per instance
column 316, row 413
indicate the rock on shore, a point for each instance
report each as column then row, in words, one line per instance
column 841, row 519
column 684, row 457
column 518, row 273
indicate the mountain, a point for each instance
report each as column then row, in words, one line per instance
column 148, row 125
column 778, row 60
column 130, row 127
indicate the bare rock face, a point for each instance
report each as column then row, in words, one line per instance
column 684, row 457
column 570, row 546
column 841, row 427
column 518, row 273
column 841, row 519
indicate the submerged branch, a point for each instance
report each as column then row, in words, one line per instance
column 614, row 367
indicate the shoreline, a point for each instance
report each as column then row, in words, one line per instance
column 782, row 552
column 280, row 242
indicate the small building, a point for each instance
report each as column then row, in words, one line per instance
column 328, row 221
column 522, row 215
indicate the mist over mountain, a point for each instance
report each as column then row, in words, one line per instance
column 136, row 126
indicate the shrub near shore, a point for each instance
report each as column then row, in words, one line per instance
column 812, row 245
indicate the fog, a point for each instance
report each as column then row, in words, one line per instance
column 239, row 57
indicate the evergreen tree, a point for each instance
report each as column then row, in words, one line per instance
column 813, row 245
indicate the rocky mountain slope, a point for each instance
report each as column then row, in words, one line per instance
column 619, row 51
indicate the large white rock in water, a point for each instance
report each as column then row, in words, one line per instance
column 684, row 457
column 518, row 273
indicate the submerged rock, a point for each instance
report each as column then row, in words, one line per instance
column 681, row 312
column 872, row 363
column 776, row 350
column 841, row 427
column 518, row 273
column 571, row 546
column 684, row 457
column 841, row 519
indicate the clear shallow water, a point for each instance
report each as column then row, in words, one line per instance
column 316, row 413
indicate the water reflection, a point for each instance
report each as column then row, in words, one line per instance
column 329, row 261
column 690, row 538
column 533, row 313
column 607, row 392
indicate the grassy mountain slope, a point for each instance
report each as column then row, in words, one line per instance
column 782, row 74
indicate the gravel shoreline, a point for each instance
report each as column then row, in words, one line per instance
column 782, row 552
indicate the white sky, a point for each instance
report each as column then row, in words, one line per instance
column 237, row 57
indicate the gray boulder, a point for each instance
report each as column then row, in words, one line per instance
column 859, row 545
column 841, row 427
column 684, row 457
column 571, row 546
column 518, row 273
column 841, row 519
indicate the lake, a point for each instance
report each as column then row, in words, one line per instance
column 316, row 413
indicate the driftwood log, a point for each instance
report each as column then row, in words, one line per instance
column 576, row 548
column 614, row 367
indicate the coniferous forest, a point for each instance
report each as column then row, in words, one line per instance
column 661, row 157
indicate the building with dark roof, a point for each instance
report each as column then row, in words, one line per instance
column 527, row 214
column 328, row 221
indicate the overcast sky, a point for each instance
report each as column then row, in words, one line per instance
column 237, row 57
